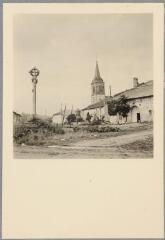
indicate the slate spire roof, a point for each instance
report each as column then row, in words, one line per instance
column 97, row 72
column 97, row 77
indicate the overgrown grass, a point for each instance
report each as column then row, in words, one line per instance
column 140, row 145
column 35, row 132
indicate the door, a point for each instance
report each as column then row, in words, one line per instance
column 150, row 115
column 138, row 117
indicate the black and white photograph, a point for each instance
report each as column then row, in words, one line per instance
column 83, row 86
column 83, row 121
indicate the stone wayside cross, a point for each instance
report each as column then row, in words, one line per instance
column 34, row 72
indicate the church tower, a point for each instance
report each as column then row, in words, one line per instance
column 97, row 87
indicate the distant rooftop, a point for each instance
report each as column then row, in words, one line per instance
column 66, row 112
column 17, row 114
column 99, row 104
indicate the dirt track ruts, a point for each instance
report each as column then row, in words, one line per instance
column 110, row 147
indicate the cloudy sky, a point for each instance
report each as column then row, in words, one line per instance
column 64, row 48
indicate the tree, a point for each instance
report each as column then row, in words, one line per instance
column 112, row 107
column 123, row 107
column 78, row 116
column 119, row 106
column 71, row 118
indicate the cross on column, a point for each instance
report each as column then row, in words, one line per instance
column 34, row 72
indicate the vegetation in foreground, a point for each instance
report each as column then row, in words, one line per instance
column 141, row 145
column 132, row 141
column 35, row 132
column 38, row 132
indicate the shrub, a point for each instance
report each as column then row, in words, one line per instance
column 71, row 118
column 79, row 119
column 58, row 129
column 102, row 129
column 35, row 133
column 96, row 122
column 76, row 129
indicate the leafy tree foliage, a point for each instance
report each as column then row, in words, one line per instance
column 71, row 118
column 112, row 107
column 119, row 106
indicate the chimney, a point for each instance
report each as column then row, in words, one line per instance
column 135, row 82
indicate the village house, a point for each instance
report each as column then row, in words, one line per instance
column 57, row 118
column 139, row 97
column 16, row 117
column 61, row 116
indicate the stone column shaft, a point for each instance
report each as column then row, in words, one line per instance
column 34, row 99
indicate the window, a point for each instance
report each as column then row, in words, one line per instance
column 150, row 113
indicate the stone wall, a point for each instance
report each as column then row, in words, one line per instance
column 98, row 111
column 141, row 111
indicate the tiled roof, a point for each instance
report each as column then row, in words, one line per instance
column 99, row 104
column 66, row 112
column 57, row 114
column 142, row 90
column 17, row 114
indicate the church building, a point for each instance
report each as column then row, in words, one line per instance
column 98, row 98
column 97, row 87
column 139, row 97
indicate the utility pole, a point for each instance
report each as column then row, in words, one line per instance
column 110, row 91
column 34, row 72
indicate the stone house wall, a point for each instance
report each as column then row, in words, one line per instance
column 141, row 111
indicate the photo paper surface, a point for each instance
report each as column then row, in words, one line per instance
column 83, row 121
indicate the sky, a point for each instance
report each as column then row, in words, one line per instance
column 65, row 47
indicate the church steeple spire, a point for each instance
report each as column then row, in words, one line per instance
column 97, row 77
column 97, row 86
column 97, row 72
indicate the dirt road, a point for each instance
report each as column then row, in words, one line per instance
column 133, row 145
